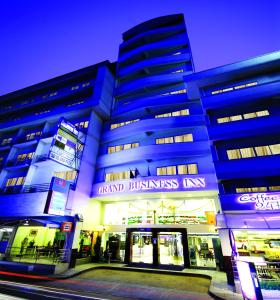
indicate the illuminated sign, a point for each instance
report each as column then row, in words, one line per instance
column 251, row 201
column 57, row 197
column 263, row 201
column 66, row 227
column 156, row 184
column 64, row 145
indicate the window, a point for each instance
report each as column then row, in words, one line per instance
column 254, row 151
column 251, row 189
column 42, row 112
column 67, row 175
column 118, row 148
column 53, row 94
column 175, row 139
column 180, row 170
column 116, row 125
column 33, row 135
column 177, row 71
column 82, row 124
column 274, row 188
column 6, row 141
column 25, row 156
column 251, row 115
column 75, row 103
column 73, row 88
column 119, row 176
column 86, row 84
column 15, row 181
column 183, row 112
column 237, row 87
column 182, row 91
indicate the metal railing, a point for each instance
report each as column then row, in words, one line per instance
column 36, row 254
column 18, row 189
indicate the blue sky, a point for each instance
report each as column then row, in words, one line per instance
column 44, row 39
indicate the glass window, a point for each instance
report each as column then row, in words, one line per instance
column 247, row 152
column 275, row 149
column 263, row 151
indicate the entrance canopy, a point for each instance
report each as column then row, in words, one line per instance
column 249, row 220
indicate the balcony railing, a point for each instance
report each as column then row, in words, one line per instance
column 11, row 163
column 18, row 189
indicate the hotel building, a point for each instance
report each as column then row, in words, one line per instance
column 241, row 102
column 155, row 178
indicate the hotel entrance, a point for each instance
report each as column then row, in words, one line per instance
column 157, row 247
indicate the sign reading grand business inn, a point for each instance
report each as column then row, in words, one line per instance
column 64, row 145
column 156, row 184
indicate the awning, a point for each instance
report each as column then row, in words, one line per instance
column 249, row 220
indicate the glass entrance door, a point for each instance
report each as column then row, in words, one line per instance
column 170, row 248
column 157, row 247
column 142, row 247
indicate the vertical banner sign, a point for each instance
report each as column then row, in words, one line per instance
column 57, row 197
column 65, row 144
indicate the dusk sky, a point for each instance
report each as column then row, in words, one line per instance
column 44, row 39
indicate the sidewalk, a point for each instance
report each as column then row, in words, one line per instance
column 219, row 288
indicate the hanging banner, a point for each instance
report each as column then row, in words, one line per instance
column 65, row 144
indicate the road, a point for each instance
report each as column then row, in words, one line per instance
column 115, row 285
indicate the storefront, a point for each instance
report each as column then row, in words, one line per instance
column 158, row 222
column 36, row 240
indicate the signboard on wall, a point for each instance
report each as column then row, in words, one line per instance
column 65, row 144
column 57, row 197
column 251, row 201
column 156, row 184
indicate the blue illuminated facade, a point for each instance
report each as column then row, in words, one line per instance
column 144, row 153
column 241, row 103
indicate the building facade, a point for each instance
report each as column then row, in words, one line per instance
column 154, row 173
column 241, row 102
column 49, row 141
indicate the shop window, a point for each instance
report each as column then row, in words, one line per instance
column 117, row 125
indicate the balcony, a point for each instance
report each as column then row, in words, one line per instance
column 21, row 163
column 158, row 152
column 248, row 167
column 244, row 128
column 242, row 96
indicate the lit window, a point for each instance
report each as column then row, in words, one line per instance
column 75, row 103
column 6, row 141
column 15, row 181
column 183, row 112
column 245, row 116
column 117, row 125
column 25, row 156
column 53, row 94
column 180, row 170
column 33, row 135
column 73, row 88
column 42, row 112
column 251, row 189
column 119, row 176
column 86, row 84
column 113, row 149
column 67, row 175
column 237, row 87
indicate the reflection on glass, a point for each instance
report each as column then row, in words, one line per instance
column 170, row 248
column 142, row 247
column 201, row 251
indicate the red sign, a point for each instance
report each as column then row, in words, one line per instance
column 66, row 227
